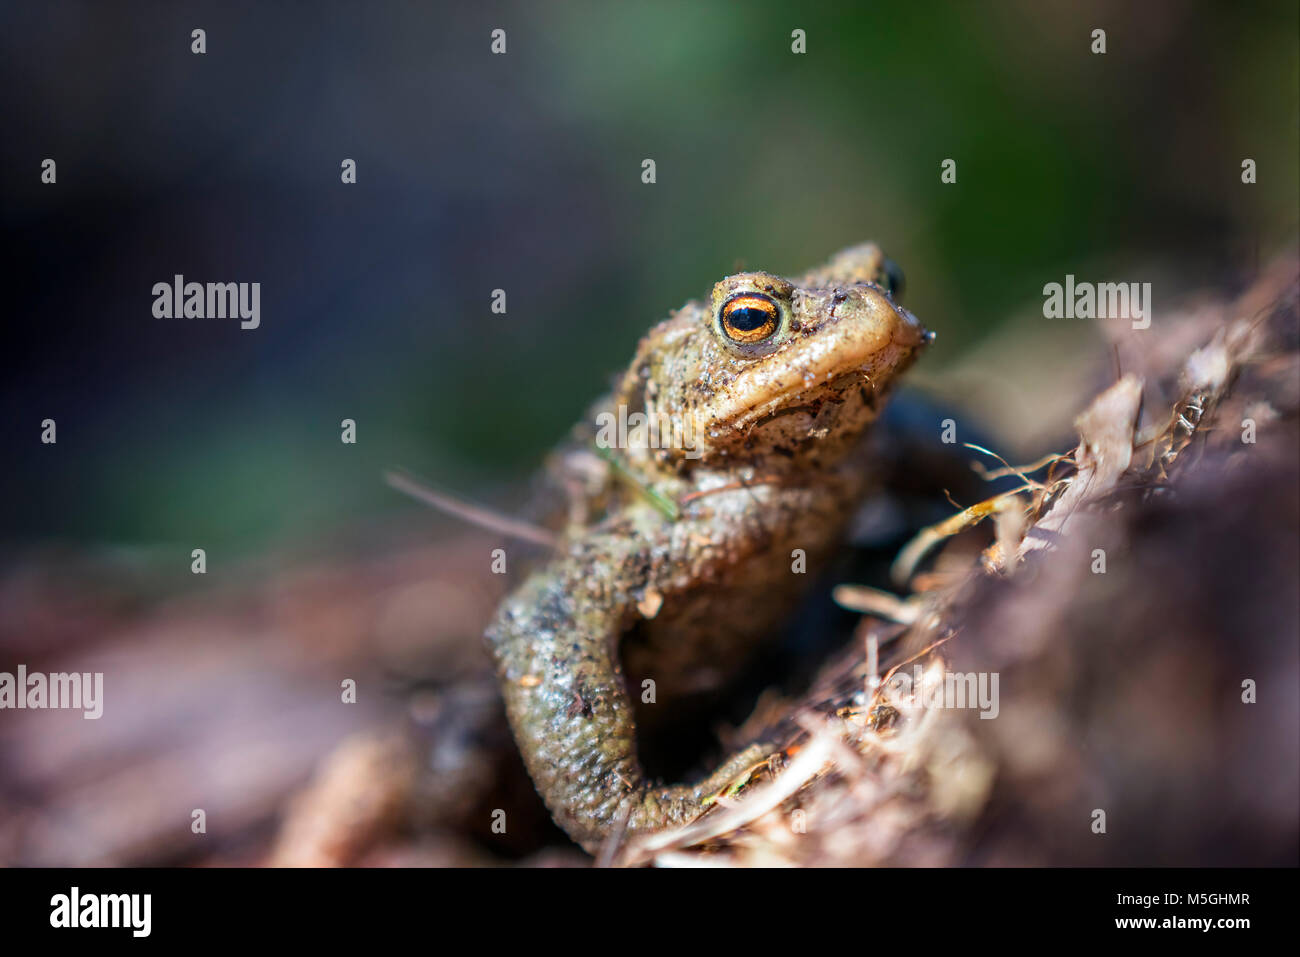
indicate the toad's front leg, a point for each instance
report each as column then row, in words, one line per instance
column 555, row 641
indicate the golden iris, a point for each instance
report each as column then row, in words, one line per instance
column 749, row 317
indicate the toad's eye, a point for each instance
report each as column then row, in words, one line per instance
column 749, row 318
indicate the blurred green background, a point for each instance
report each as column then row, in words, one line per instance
column 523, row 172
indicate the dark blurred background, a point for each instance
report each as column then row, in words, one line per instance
column 522, row 172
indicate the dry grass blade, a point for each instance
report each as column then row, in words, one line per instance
column 873, row 601
column 468, row 511
column 915, row 550
column 807, row 765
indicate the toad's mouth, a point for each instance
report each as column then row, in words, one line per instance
column 867, row 348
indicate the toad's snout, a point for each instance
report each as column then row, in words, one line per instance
column 873, row 316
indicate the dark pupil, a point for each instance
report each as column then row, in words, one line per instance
column 748, row 318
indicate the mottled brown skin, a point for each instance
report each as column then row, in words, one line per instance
column 775, row 462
